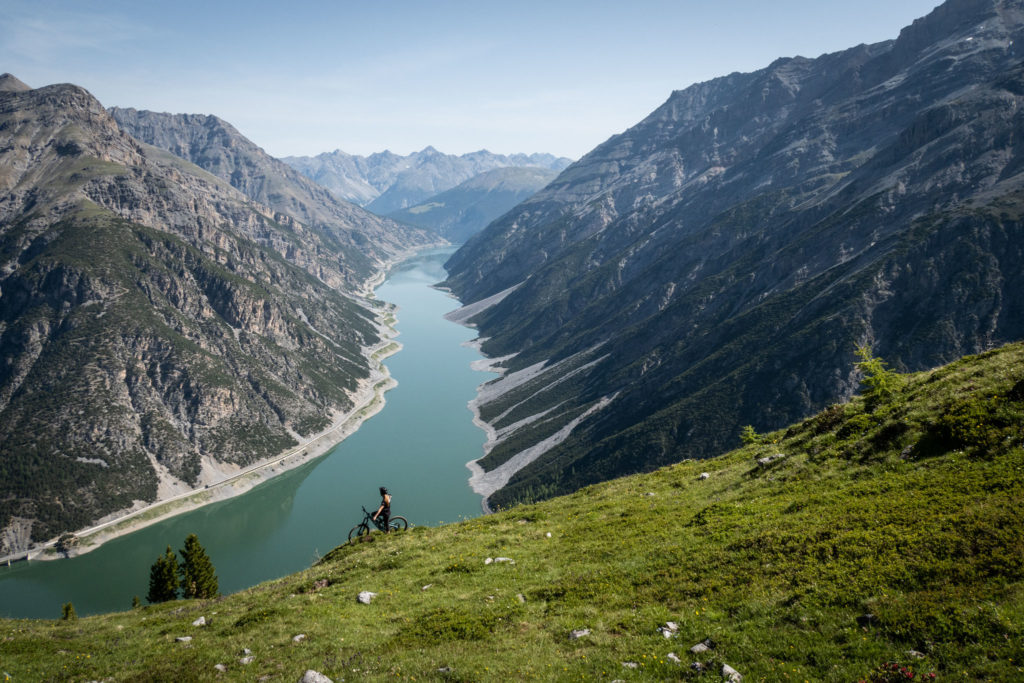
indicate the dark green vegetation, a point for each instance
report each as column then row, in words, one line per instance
column 155, row 321
column 882, row 529
column 718, row 264
column 163, row 578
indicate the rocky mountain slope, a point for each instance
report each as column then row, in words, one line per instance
column 363, row 240
column 885, row 530
column 387, row 182
column 461, row 212
column 157, row 327
column 717, row 264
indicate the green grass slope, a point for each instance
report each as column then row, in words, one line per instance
column 907, row 508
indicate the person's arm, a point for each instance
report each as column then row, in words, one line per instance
column 379, row 510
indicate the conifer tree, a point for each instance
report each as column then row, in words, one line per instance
column 198, row 579
column 163, row 578
column 68, row 612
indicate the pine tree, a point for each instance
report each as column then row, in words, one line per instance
column 163, row 578
column 68, row 612
column 198, row 579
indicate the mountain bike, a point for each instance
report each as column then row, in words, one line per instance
column 396, row 523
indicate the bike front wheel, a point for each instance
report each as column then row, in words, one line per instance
column 358, row 530
column 398, row 524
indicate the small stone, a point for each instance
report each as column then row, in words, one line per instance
column 321, row 583
column 314, row 677
column 730, row 674
column 246, row 660
column 299, row 638
column 505, row 559
column 426, row 587
column 548, row 534
column 698, row 667
column 631, row 665
column 366, row 597
column 579, row 633
column 672, row 657
column 445, row 670
column 699, row 648
column 183, row 639
column 769, row 459
column 704, row 475
column 669, row 630
column 246, row 651
column 201, row 621
column 916, row 655
column 489, row 560
column 220, row 667
column 649, row 494
column 521, row 598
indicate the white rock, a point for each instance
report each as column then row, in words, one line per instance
column 426, row 587
column 201, row 621
column 489, row 560
column 183, row 639
column 246, row 651
column 731, row 674
column 699, row 648
column 704, row 475
column 299, row 638
column 246, row 660
column 672, row 657
column 314, row 677
column 548, row 534
column 504, row 559
column 631, row 665
column 579, row 633
column 366, row 597
column 220, row 667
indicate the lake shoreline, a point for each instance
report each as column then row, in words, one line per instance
column 368, row 400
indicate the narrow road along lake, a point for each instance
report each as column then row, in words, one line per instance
column 418, row 447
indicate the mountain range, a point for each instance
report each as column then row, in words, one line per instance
column 718, row 264
column 386, row 182
column 466, row 209
column 158, row 327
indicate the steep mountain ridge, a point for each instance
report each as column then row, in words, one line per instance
column 877, row 540
column 364, row 241
column 158, row 329
column 461, row 212
column 386, row 182
column 716, row 264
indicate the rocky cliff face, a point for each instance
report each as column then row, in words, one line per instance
column 461, row 212
column 716, row 264
column 155, row 323
column 358, row 240
column 387, row 182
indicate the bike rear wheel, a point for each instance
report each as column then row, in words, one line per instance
column 358, row 530
column 398, row 524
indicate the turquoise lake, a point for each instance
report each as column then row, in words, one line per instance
column 417, row 446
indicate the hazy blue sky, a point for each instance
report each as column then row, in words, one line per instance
column 513, row 76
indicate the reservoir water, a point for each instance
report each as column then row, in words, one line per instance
column 417, row 446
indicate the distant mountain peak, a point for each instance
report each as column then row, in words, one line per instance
column 8, row 83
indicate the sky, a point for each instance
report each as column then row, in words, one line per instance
column 302, row 78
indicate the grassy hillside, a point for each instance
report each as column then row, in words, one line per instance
column 890, row 529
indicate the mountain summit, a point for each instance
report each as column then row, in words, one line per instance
column 717, row 264
column 386, row 182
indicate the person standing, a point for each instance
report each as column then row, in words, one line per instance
column 385, row 508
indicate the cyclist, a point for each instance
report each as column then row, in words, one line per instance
column 384, row 509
